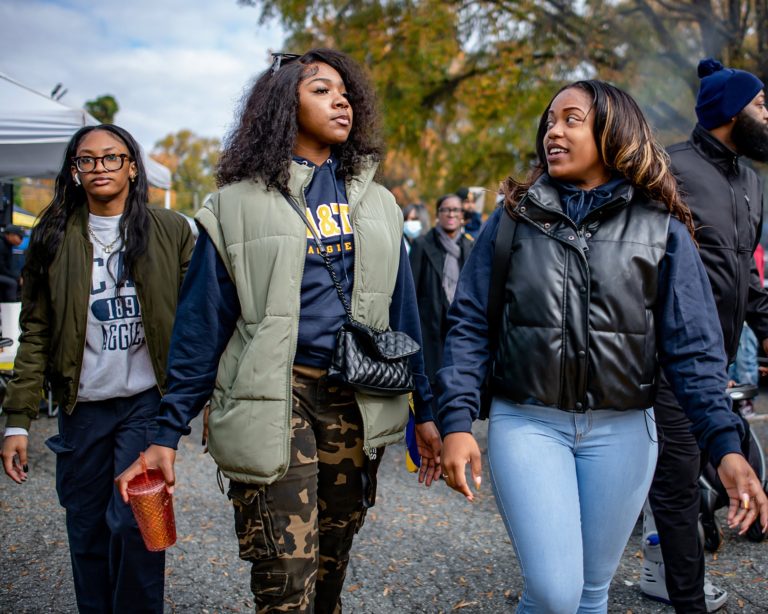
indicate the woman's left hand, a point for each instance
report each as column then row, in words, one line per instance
column 430, row 448
column 748, row 502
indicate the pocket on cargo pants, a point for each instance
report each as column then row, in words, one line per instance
column 65, row 469
column 258, row 540
column 257, row 536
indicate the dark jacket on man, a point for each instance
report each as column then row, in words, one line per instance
column 427, row 257
column 725, row 196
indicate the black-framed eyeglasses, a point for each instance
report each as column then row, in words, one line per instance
column 450, row 211
column 110, row 162
column 280, row 58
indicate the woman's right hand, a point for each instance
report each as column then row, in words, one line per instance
column 458, row 450
column 155, row 457
column 15, row 457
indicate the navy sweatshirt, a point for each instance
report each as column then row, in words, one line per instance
column 689, row 341
column 322, row 313
column 209, row 308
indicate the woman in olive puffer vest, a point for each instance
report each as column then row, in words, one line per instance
column 100, row 290
column 601, row 287
column 257, row 324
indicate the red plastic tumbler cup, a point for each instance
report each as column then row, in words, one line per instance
column 152, row 507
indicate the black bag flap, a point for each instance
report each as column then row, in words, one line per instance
column 394, row 344
column 386, row 345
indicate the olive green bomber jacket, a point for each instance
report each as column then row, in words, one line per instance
column 53, row 328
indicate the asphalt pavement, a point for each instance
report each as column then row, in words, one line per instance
column 421, row 550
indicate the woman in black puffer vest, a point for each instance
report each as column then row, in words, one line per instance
column 602, row 288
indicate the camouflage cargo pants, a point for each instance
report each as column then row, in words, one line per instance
column 297, row 532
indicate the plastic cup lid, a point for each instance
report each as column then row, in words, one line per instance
column 146, row 483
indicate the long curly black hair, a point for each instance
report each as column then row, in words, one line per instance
column 260, row 146
column 68, row 197
column 626, row 146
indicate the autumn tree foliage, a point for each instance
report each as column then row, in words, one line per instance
column 462, row 82
column 192, row 161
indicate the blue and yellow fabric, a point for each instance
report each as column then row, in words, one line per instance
column 412, row 456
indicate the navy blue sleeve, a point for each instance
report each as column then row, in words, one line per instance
column 466, row 354
column 205, row 320
column 690, row 344
column 404, row 316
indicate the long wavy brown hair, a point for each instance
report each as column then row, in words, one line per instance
column 626, row 146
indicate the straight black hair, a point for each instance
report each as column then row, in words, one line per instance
column 68, row 197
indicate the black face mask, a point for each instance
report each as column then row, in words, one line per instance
column 750, row 137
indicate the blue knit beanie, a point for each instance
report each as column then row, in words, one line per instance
column 723, row 92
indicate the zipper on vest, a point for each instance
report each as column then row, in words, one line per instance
column 580, row 245
column 369, row 451
column 289, row 385
column 584, row 360
column 583, row 236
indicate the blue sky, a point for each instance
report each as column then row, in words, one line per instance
column 171, row 64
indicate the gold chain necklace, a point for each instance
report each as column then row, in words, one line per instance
column 107, row 248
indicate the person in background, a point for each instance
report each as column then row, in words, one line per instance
column 416, row 223
column 257, row 323
column 745, row 369
column 9, row 277
column 436, row 261
column 725, row 197
column 101, row 283
column 603, row 288
column 473, row 219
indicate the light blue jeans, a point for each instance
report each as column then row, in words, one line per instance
column 570, row 488
column 744, row 369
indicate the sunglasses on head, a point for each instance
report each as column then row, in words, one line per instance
column 278, row 59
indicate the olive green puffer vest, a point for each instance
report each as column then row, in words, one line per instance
column 263, row 244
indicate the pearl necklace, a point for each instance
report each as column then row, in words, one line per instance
column 107, row 248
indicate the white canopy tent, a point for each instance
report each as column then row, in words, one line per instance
column 35, row 130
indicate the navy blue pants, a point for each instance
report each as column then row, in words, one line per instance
column 675, row 501
column 112, row 569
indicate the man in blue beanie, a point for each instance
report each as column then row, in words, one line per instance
column 726, row 199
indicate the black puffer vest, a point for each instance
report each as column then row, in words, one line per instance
column 577, row 330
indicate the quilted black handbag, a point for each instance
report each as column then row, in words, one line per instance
column 374, row 362
column 367, row 360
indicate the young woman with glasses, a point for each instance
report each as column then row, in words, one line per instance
column 602, row 288
column 101, row 283
column 257, row 325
